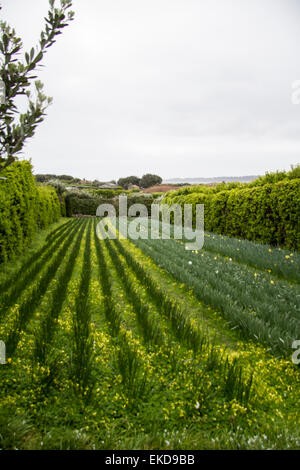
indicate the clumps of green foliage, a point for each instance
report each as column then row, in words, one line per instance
column 266, row 210
column 149, row 180
column 126, row 182
column 110, row 193
column 146, row 181
column 24, row 208
column 277, row 176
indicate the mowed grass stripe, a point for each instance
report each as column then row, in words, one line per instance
column 129, row 360
column 27, row 274
column 150, row 327
column 43, row 337
column 27, row 308
column 33, row 256
column 59, row 230
column 82, row 351
column 186, row 332
column 111, row 314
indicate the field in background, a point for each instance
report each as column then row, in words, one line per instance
column 161, row 188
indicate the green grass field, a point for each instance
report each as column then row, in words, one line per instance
column 145, row 345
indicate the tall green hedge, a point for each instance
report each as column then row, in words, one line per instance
column 48, row 206
column 24, row 208
column 269, row 213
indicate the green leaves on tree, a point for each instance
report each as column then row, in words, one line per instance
column 17, row 79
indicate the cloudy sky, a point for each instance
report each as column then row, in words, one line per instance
column 180, row 88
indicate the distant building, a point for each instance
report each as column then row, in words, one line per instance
column 109, row 186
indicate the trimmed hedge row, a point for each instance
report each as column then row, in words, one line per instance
column 111, row 193
column 86, row 204
column 24, row 208
column 82, row 203
column 48, row 206
column 268, row 213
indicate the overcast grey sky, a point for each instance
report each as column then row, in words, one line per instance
column 173, row 87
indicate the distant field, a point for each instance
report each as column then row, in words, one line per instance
column 161, row 188
column 145, row 345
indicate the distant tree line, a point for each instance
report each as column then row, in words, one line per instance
column 48, row 177
column 146, row 181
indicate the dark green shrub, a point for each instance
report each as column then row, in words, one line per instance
column 149, row 180
column 126, row 182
